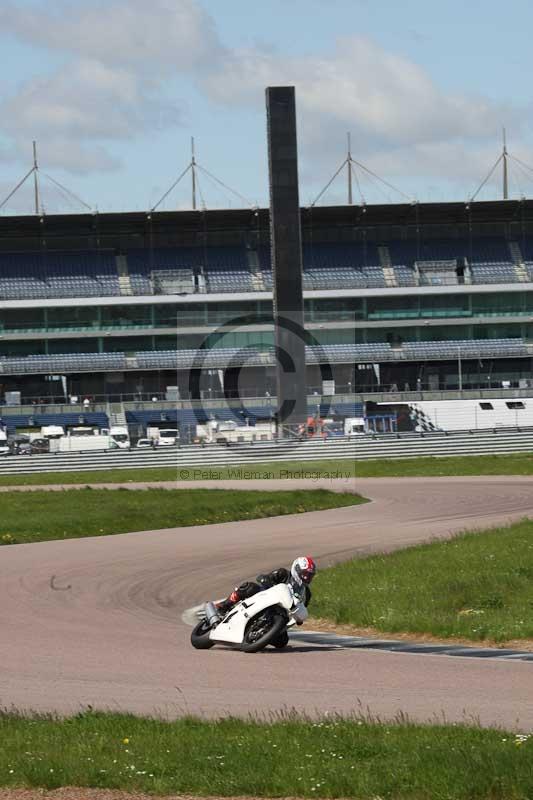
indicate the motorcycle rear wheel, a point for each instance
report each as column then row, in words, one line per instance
column 252, row 643
column 200, row 636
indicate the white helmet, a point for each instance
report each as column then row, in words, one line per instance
column 303, row 570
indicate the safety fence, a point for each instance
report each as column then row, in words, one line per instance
column 380, row 446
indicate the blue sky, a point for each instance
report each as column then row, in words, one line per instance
column 114, row 90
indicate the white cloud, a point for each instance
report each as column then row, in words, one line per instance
column 121, row 55
column 134, row 34
column 74, row 111
column 391, row 105
column 112, row 88
column 86, row 99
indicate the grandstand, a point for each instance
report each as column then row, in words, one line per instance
column 128, row 307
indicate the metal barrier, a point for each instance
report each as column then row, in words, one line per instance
column 379, row 446
column 360, row 396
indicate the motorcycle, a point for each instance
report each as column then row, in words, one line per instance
column 253, row 623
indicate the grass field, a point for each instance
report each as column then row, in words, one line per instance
column 329, row 758
column 512, row 464
column 477, row 586
column 41, row 516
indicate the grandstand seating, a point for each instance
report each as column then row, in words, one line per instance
column 334, row 278
column 493, row 272
column 467, row 348
column 405, row 276
column 320, row 255
column 143, row 263
column 526, row 247
column 492, row 249
column 226, row 270
column 58, row 274
column 221, row 357
column 63, row 363
column 333, row 265
column 229, row 280
column 173, row 281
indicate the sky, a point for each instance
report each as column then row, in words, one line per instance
column 113, row 91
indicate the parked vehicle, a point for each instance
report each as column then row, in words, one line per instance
column 229, row 432
column 40, row 445
column 52, row 432
column 4, row 446
column 355, row 426
column 73, row 444
column 145, row 443
column 83, row 430
column 120, row 434
column 20, row 444
column 164, row 437
column 168, row 437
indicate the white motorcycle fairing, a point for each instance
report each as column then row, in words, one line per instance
column 231, row 628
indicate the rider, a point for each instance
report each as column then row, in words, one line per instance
column 303, row 571
column 300, row 576
column 249, row 588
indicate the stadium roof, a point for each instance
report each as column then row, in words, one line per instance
column 139, row 224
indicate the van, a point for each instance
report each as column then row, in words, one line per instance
column 167, row 437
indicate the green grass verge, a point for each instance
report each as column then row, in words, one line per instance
column 477, row 586
column 335, row 758
column 511, row 464
column 41, row 516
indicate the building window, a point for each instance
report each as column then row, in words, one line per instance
column 486, row 406
column 515, row 404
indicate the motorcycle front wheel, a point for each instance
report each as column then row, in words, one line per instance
column 280, row 641
column 262, row 631
column 200, row 636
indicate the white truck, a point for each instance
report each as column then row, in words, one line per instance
column 49, row 432
column 229, row 432
column 163, row 437
column 76, row 444
column 84, row 437
column 120, row 434
column 4, row 447
column 355, row 426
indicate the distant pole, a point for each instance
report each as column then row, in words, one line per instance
column 35, row 178
column 505, row 183
column 460, row 370
column 349, row 167
column 193, row 173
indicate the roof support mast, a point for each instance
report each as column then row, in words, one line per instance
column 505, row 177
column 193, row 174
column 36, row 177
column 195, row 168
column 349, row 170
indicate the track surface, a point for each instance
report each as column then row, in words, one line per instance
column 115, row 639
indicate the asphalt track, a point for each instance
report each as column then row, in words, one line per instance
column 97, row 621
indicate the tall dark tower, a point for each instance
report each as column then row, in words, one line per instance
column 286, row 246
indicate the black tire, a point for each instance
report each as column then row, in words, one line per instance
column 274, row 624
column 281, row 641
column 200, row 636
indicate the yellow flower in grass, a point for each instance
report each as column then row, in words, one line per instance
column 125, row 741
